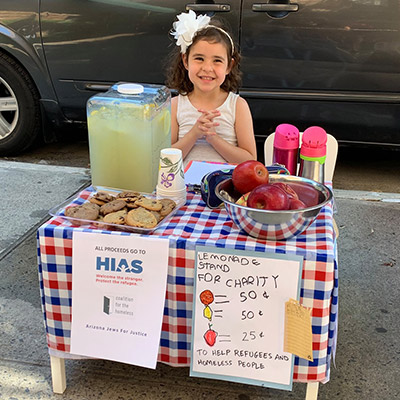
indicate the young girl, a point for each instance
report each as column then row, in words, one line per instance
column 209, row 121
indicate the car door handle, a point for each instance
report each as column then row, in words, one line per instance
column 209, row 7
column 266, row 7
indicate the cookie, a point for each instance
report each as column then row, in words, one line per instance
column 167, row 205
column 117, row 217
column 158, row 216
column 101, row 198
column 127, row 194
column 100, row 222
column 131, row 203
column 91, row 206
column 82, row 212
column 149, row 204
column 112, row 206
column 130, row 198
column 141, row 218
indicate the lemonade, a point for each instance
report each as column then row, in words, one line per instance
column 126, row 135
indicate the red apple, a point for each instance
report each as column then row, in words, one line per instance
column 296, row 204
column 268, row 197
column 306, row 193
column 287, row 188
column 248, row 175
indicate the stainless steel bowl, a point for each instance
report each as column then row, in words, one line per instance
column 276, row 225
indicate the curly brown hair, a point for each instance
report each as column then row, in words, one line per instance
column 177, row 75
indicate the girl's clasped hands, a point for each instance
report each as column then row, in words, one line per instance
column 205, row 124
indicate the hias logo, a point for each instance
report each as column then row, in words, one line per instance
column 114, row 265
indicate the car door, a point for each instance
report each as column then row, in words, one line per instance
column 90, row 44
column 329, row 62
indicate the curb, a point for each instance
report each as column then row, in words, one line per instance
column 366, row 196
column 12, row 165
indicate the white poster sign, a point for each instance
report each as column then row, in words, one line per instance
column 239, row 315
column 118, row 295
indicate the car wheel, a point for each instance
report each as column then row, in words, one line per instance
column 20, row 118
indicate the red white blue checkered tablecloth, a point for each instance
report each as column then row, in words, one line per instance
column 194, row 224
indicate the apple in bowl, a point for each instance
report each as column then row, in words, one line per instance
column 268, row 197
column 276, row 224
column 248, row 175
column 287, row 188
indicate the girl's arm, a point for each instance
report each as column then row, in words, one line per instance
column 174, row 121
column 246, row 148
column 201, row 128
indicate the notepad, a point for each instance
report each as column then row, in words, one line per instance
column 298, row 332
column 195, row 170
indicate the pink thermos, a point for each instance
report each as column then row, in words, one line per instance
column 286, row 147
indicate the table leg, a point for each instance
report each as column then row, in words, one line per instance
column 58, row 374
column 312, row 390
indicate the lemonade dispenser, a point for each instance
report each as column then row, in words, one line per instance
column 128, row 126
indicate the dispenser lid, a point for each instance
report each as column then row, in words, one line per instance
column 133, row 95
column 130, row 88
column 314, row 142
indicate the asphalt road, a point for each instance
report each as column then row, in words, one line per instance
column 366, row 169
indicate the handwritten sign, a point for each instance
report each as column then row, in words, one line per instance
column 239, row 316
column 118, row 281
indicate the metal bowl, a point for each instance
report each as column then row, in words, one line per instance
column 276, row 225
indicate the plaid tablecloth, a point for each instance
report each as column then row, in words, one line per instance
column 193, row 225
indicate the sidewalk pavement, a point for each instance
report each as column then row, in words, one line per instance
column 28, row 192
column 368, row 351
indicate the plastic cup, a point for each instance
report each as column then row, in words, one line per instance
column 171, row 180
column 171, row 194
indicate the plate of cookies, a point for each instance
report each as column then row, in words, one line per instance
column 115, row 209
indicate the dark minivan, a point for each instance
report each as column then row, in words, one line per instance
column 333, row 63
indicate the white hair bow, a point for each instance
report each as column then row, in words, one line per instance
column 186, row 27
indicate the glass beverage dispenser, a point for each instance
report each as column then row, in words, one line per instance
column 128, row 126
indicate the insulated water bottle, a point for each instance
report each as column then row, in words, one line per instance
column 313, row 154
column 286, row 147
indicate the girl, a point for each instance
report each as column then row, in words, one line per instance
column 209, row 122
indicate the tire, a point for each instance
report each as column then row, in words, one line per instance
column 20, row 118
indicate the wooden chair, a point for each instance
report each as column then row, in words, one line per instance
column 331, row 154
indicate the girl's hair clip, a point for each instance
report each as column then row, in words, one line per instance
column 188, row 25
